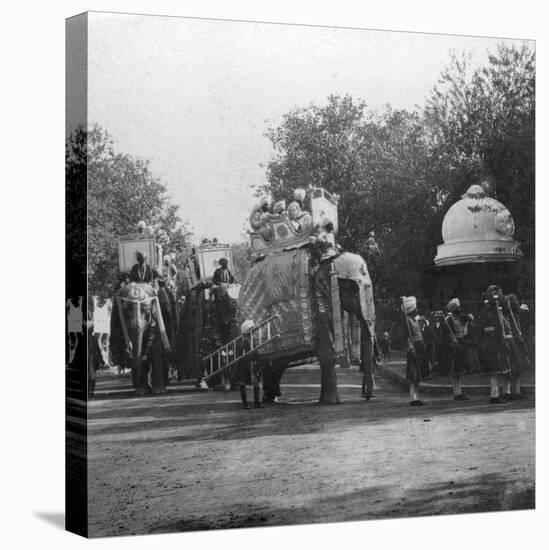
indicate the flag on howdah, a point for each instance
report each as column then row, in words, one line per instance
column 280, row 285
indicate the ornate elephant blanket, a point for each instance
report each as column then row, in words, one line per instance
column 280, row 284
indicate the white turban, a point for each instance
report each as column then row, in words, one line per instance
column 453, row 304
column 409, row 303
column 299, row 194
column 246, row 326
column 264, row 199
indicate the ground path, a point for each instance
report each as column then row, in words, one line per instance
column 196, row 460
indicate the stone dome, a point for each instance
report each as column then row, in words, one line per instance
column 477, row 228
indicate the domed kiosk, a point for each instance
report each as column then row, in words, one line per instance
column 476, row 229
column 478, row 249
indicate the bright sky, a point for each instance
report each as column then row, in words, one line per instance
column 196, row 96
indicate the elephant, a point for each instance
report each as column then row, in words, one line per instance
column 138, row 336
column 267, row 290
column 206, row 322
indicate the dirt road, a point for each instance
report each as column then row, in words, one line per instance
column 196, row 460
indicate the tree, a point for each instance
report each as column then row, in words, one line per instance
column 75, row 206
column 398, row 171
column 121, row 191
column 379, row 164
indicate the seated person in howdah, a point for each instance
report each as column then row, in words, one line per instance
column 259, row 218
column 222, row 274
column 141, row 272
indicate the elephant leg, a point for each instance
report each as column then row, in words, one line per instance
column 139, row 375
column 329, row 394
column 366, row 360
column 157, row 369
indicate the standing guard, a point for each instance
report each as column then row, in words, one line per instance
column 495, row 334
column 457, row 326
column 417, row 362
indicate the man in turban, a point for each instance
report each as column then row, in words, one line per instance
column 495, row 333
column 457, row 330
column 299, row 196
column 222, row 274
column 259, row 217
column 141, row 272
column 417, row 362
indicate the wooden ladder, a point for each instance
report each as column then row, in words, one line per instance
column 241, row 347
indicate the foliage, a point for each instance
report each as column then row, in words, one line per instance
column 398, row 171
column 379, row 164
column 121, row 191
column 75, row 206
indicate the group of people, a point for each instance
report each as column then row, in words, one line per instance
column 498, row 343
column 264, row 212
column 142, row 272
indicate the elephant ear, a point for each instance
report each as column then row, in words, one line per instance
column 353, row 267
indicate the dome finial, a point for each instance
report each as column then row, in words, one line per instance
column 474, row 192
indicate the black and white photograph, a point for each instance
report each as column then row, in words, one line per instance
column 302, row 269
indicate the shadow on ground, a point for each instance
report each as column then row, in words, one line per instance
column 483, row 493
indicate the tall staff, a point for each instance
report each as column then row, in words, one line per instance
column 499, row 311
column 518, row 331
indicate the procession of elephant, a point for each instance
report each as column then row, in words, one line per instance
column 288, row 309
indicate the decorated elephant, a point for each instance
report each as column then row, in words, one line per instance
column 139, row 337
column 308, row 298
column 207, row 321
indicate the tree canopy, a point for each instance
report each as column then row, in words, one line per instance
column 398, row 171
column 121, row 191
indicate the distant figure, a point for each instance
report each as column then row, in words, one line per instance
column 141, row 272
column 440, row 358
column 428, row 339
column 168, row 269
column 102, row 327
column 386, row 346
column 75, row 319
column 371, row 244
column 222, row 275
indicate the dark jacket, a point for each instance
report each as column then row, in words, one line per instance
column 494, row 342
column 137, row 276
column 222, row 275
